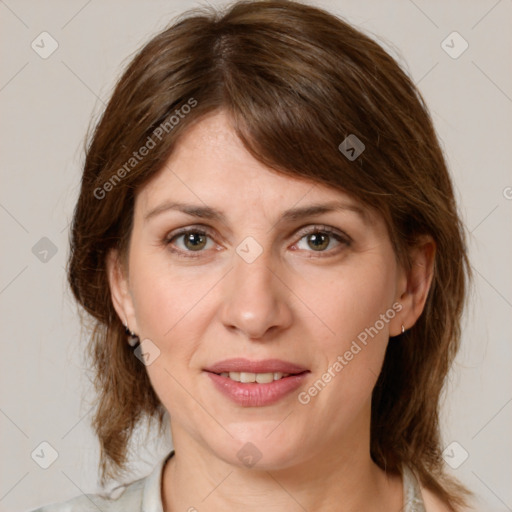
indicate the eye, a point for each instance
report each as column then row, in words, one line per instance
column 320, row 238
column 193, row 240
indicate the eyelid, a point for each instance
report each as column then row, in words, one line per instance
column 196, row 228
column 313, row 228
column 302, row 231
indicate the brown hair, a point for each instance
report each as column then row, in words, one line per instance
column 296, row 81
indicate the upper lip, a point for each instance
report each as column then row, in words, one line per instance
column 240, row 364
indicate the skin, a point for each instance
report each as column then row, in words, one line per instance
column 294, row 302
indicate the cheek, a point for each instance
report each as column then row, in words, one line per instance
column 351, row 300
column 164, row 295
column 166, row 305
column 173, row 309
column 356, row 306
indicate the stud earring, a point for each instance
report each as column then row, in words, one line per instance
column 133, row 339
column 403, row 328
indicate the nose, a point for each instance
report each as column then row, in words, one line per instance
column 255, row 302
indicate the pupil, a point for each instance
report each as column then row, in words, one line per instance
column 194, row 244
column 321, row 238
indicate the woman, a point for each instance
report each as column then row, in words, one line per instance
column 268, row 241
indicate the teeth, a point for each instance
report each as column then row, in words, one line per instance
column 264, row 378
column 260, row 378
column 247, row 377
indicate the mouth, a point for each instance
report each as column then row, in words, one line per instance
column 260, row 378
column 256, row 383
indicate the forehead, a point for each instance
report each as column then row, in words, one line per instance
column 211, row 168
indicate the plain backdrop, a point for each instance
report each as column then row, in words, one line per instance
column 47, row 105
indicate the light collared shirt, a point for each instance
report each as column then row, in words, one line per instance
column 143, row 495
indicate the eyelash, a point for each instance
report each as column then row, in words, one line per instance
column 340, row 237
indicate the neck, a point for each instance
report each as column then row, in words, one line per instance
column 337, row 478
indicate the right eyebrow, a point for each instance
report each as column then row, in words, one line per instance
column 203, row 212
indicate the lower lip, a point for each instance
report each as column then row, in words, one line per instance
column 257, row 395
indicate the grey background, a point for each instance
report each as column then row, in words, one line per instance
column 46, row 107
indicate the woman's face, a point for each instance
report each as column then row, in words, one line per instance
column 318, row 292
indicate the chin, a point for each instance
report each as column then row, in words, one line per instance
column 258, row 451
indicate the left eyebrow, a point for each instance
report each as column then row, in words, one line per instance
column 294, row 214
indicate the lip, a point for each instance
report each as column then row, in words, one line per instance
column 254, row 394
column 239, row 364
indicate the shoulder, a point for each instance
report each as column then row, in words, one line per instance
column 127, row 498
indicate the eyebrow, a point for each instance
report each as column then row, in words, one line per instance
column 293, row 214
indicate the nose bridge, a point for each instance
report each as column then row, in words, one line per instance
column 253, row 274
column 254, row 302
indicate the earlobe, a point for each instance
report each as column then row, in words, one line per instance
column 416, row 283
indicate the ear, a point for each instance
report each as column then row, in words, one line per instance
column 414, row 284
column 119, row 290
